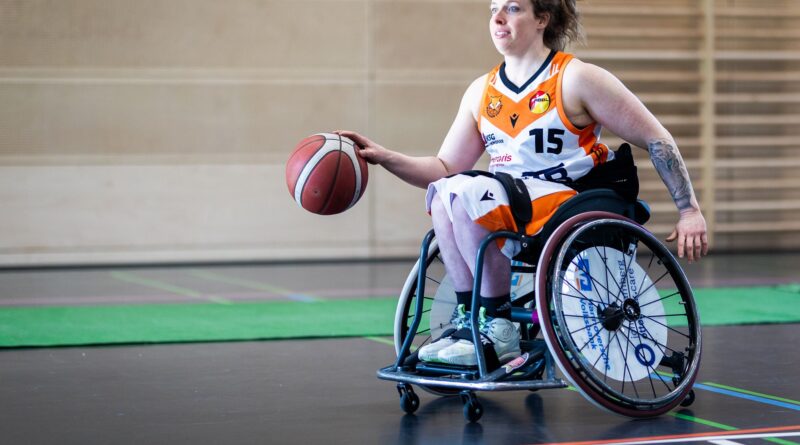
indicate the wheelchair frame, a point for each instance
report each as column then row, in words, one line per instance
column 536, row 369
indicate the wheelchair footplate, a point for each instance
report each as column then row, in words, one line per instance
column 532, row 370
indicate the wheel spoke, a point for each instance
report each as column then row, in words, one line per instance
column 581, row 316
column 651, row 286
column 662, row 324
column 585, row 327
column 597, row 303
column 433, row 279
column 624, row 352
column 661, row 346
column 605, row 363
column 627, row 272
column 590, row 339
column 582, row 296
column 588, row 274
column 650, row 367
column 661, row 299
column 424, row 311
column 608, row 272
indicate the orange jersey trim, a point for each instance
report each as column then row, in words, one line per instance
column 501, row 217
column 513, row 117
column 561, row 113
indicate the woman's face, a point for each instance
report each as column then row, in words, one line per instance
column 514, row 27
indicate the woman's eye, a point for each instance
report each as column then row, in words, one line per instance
column 493, row 11
column 513, row 9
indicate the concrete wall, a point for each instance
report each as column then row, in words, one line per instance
column 157, row 130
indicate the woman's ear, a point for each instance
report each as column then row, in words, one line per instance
column 542, row 20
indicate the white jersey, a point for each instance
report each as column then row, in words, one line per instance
column 526, row 131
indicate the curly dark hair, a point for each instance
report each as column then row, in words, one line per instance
column 564, row 26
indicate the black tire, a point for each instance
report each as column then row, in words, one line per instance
column 689, row 399
column 409, row 402
column 473, row 410
column 599, row 281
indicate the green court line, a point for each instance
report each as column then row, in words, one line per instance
column 249, row 284
column 385, row 341
column 752, row 393
column 705, row 422
column 160, row 285
column 722, row 426
column 780, row 441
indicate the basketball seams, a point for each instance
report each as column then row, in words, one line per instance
column 302, row 179
column 353, row 157
column 330, row 188
column 316, row 154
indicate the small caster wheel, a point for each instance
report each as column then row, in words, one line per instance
column 473, row 411
column 472, row 407
column 689, row 399
column 409, row 400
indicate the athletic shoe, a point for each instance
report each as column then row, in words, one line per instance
column 499, row 333
column 430, row 352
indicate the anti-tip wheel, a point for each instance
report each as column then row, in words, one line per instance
column 689, row 399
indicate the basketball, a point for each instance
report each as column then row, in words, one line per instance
column 325, row 174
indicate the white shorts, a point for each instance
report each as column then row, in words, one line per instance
column 486, row 203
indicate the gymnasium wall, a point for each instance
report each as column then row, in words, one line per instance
column 157, row 130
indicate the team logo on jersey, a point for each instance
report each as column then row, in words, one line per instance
column 540, row 102
column 493, row 78
column 494, row 107
column 514, row 118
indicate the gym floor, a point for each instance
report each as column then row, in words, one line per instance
column 325, row 391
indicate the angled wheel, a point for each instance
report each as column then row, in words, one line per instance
column 618, row 315
column 439, row 302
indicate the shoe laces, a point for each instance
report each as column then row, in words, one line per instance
column 460, row 318
column 485, row 324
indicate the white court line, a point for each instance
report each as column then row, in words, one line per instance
column 712, row 438
column 724, row 442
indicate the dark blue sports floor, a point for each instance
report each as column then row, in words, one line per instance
column 325, row 391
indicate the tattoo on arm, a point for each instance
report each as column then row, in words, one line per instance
column 670, row 167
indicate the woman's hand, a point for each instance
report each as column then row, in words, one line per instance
column 691, row 235
column 367, row 149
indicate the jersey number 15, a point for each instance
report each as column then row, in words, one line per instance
column 555, row 141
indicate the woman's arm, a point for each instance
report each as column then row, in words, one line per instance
column 461, row 149
column 592, row 94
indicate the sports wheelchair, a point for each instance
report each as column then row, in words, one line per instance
column 594, row 293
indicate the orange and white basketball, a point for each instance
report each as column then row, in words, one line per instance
column 325, row 175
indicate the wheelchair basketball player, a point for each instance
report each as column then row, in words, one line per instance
column 538, row 115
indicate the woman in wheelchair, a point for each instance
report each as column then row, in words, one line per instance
column 538, row 115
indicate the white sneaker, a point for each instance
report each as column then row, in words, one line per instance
column 430, row 352
column 498, row 332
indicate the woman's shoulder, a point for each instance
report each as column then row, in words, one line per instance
column 579, row 72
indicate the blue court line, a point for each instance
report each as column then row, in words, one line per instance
column 729, row 392
column 747, row 396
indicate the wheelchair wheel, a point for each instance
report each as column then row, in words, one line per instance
column 618, row 315
column 440, row 300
